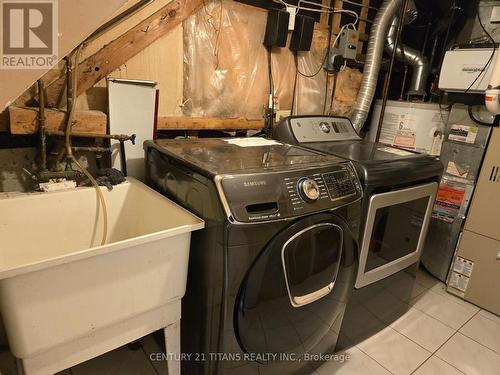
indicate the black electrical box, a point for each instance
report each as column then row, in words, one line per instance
column 276, row 28
column 302, row 33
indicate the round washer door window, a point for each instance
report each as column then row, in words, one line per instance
column 293, row 297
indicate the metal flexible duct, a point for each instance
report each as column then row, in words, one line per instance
column 409, row 55
column 374, row 53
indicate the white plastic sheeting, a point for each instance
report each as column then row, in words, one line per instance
column 226, row 70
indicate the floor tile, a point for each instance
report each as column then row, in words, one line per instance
column 426, row 331
column 436, row 366
column 358, row 363
column 484, row 331
column 490, row 316
column 426, row 279
column 394, row 351
column 441, row 289
column 444, row 309
column 122, row 361
column 469, row 356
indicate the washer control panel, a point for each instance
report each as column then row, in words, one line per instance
column 338, row 185
column 274, row 196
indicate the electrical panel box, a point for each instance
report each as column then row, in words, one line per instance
column 348, row 43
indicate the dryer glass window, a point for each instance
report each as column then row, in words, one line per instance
column 396, row 232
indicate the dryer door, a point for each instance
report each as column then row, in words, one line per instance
column 293, row 297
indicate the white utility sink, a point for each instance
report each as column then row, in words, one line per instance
column 65, row 299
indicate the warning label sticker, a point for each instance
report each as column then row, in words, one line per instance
column 458, row 281
column 448, row 201
column 463, row 133
column 463, row 266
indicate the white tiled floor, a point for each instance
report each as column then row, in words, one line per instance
column 439, row 335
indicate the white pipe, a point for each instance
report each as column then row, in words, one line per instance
column 492, row 97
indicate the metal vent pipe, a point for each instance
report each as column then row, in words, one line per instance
column 409, row 55
column 374, row 54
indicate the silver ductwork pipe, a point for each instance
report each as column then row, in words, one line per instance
column 374, row 53
column 409, row 55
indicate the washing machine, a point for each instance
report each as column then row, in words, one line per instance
column 399, row 191
column 270, row 275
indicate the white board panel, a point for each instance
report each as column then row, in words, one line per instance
column 131, row 111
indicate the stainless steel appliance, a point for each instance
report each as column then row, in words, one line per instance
column 399, row 187
column 270, row 276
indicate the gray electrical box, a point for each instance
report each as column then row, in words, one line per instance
column 348, row 43
column 347, row 49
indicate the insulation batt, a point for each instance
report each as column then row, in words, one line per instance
column 226, row 73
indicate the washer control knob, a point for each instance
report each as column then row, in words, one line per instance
column 325, row 127
column 309, row 190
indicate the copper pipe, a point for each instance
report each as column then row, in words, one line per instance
column 96, row 149
column 404, row 82
column 118, row 137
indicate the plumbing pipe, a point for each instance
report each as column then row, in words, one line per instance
column 47, row 175
column 403, row 84
column 41, row 125
column 69, row 104
column 118, row 137
column 389, row 75
column 123, row 158
column 409, row 55
column 71, row 91
column 96, row 149
column 374, row 55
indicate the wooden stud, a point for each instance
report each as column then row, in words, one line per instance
column 25, row 121
column 362, row 25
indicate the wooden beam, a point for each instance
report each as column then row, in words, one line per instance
column 126, row 46
column 200, row 123
column 25, row 121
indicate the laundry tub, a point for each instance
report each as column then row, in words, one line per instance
column 64, row 298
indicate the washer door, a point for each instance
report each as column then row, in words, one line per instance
column 293, row 296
